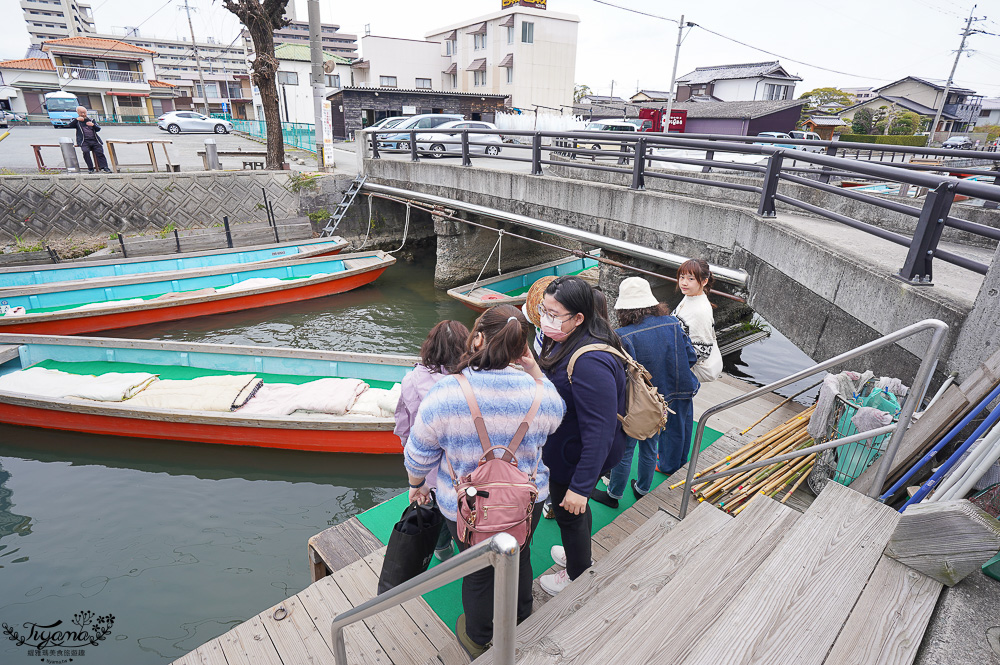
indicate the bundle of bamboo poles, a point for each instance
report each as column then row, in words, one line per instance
column 731, row 493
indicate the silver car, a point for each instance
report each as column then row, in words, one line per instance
column 484, row 144
column 176, row 122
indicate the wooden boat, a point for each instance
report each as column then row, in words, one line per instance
column 114, row 270
column 357, row 434
column 154, row 298
column 512, row 288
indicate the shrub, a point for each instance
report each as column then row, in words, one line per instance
column 914, row 141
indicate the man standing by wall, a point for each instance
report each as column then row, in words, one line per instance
column 88, row 140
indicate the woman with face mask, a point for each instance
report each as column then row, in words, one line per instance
column 590, row 439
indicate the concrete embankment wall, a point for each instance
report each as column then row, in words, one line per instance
column 824, row 301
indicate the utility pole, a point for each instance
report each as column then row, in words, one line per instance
column 197, row 60
column 318, row 87
column 947, row 86
column 673, row 75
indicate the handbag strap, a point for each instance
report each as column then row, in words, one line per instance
column 480, row 423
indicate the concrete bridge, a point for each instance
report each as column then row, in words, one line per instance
column 828, row 287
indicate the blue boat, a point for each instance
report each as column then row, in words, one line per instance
column 512, row 288
column 83, row 307
column 115, row 271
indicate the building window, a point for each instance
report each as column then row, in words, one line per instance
column 387, row 81
column 333, row 80
column 478, row 42
column 776, row 92
column 288, row 78
column 510, row 74
column 449, row 47
column 213, row 90
column 424, row 84
column 527, row 32
column 454, row 80
column 510, row 34
column 479, row 78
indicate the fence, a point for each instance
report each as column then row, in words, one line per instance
column 296, row 134
column 779, row 164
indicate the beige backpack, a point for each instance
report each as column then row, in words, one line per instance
column 645, row 409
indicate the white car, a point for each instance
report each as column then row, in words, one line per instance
column 6, row 117
column 485, row 144
column 606, row 126
column 176, row 122
column 807, row 136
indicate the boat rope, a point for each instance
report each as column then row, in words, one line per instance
column 406, row 229
column 369, row 223
column 500, row 233
column 437, row 211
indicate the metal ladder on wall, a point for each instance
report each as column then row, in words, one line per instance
column 344, row 205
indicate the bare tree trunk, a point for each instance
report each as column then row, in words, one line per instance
column 261, row 18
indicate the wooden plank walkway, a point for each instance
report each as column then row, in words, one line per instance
column 345, row 560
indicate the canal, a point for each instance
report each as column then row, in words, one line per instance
column 179, row 542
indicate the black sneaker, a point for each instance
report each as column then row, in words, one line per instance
column 600, row 496
column 636, row 492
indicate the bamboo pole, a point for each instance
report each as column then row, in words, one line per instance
column 783, row 403
column 797, row 483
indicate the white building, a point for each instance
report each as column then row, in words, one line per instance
column 55, row 19
column 989, row 113
column 746, row 82
column 527, row 53
column 407, row 64
column 295, row 93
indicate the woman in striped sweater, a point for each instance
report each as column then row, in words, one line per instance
column 444, row 426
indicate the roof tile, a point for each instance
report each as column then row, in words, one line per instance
column 95, row 43
column 38, row 64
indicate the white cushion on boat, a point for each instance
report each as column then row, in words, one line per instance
column 377, row 402
column 333, row 396
column 204, row 393
column 41, row 382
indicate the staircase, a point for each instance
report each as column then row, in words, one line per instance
column 344, row 205
column 769, row 586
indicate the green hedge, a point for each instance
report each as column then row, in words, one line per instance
column 916, row 141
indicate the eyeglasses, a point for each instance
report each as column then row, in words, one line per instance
column 546, row 314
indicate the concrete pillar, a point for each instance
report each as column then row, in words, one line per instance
column 212, row 155
column 979, row 337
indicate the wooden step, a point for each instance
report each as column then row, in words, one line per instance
column 670, row 499
column 793, row 607
column 671, row 622
column 658, row 536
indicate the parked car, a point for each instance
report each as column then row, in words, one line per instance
column 807, row 136
column 424, row 121
column 607, row 126
column 386, row 123
column 6, row 117
column 643, row 124
column 176, row 122
column 777, row 135
column 958, row 143
column 487, row 144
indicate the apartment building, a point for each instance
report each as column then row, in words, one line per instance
column 297, row 32
column 55, row 19
column 393, row 62
column 527, row 53
column 294, row 79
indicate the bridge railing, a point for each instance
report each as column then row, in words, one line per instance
column 812, row 167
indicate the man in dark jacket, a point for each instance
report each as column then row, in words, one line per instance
column 88, row 140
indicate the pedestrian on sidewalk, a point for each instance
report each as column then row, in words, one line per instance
column 444, row 427
column 88, row 140
column 439, row 356
column 590, row 440
column 657, row 341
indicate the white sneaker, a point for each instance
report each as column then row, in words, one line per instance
column 553, row 584
column 558, row 553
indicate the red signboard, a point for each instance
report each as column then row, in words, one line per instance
column 537, row 4
column 678, row 120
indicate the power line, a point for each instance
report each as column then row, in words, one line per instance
column 636, row 11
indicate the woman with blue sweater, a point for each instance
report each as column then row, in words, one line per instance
column 590, row 439
column 444, row 427
column 658, row 341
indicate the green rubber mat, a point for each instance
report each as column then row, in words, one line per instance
column 447, row 600
column 182, row 372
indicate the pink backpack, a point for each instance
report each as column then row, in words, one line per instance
column 497, row 496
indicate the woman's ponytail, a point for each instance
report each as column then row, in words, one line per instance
column 505, row 334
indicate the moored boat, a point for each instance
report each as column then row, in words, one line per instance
column 512, row 288
column 81, row 356
column 81, row 308
column 122, row 270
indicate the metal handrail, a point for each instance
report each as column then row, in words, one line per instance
column 917, row 390
column 501, row 551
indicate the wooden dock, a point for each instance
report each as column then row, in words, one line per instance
column 661, row 590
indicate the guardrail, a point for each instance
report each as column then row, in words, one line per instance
column 298, row 134
column 802, row 167
column 914, row 397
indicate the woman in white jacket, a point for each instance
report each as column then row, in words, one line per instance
column 694, row 280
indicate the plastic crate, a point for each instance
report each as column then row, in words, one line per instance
column 853, row 458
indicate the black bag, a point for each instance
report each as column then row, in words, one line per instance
column 411, row 545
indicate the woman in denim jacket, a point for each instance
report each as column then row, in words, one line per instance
column 657, row 340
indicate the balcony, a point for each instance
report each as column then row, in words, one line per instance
column 964, row 112
column 101, row 75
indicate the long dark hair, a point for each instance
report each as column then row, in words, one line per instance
column 444, row 346
column 577, row 296
column 505, row 339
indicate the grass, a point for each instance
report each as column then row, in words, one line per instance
column 166, row 231
column 23, row 246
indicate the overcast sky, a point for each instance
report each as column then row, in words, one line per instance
column 868, row 42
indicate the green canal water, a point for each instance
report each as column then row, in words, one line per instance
column 170, row 544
